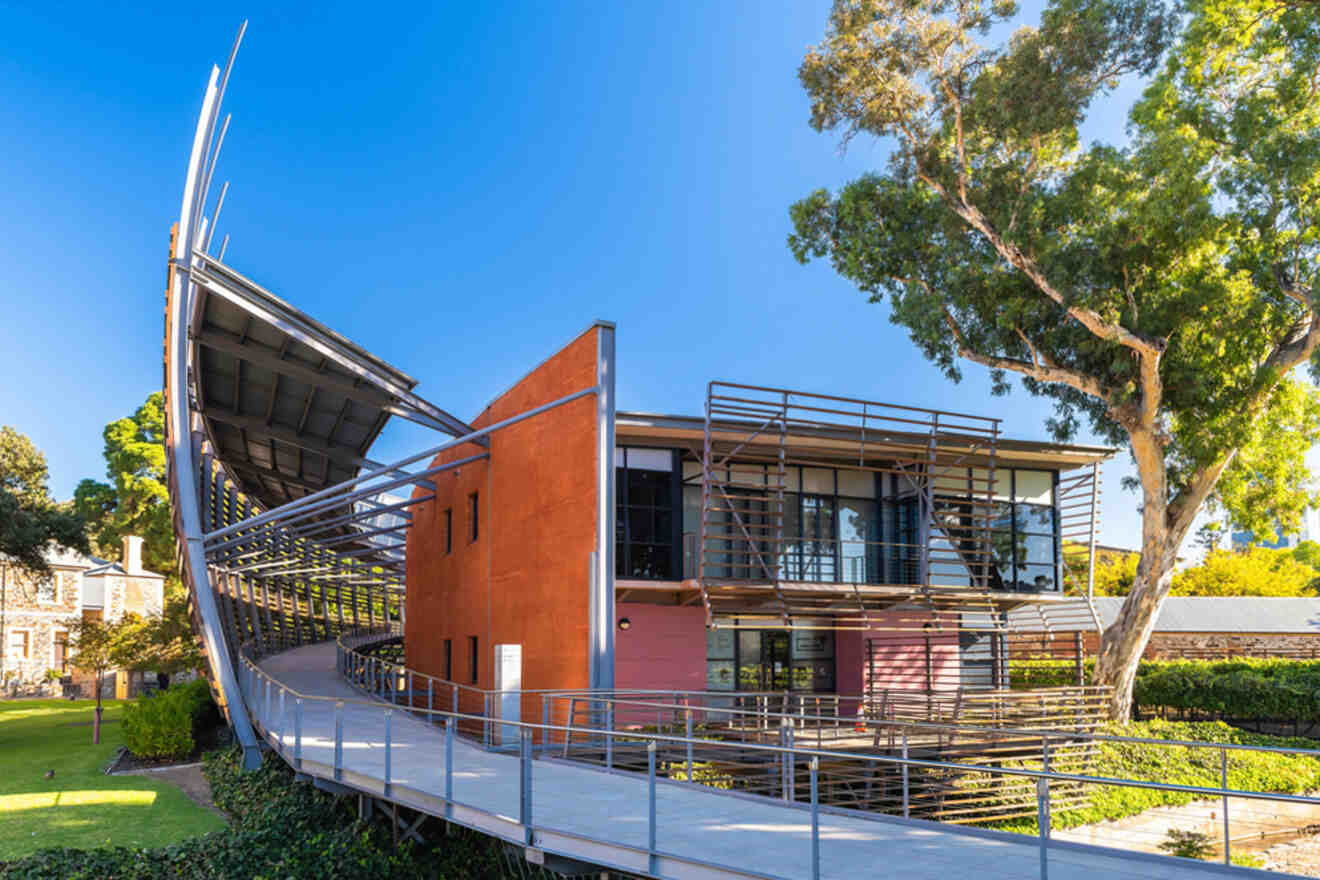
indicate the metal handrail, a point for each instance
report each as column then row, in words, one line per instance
column 612, row 695
column 256, row 676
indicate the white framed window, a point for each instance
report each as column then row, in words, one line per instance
column 46, row 589
column 20, row 645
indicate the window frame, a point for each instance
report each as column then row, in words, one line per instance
column 24, row 631
column 54, row 580
column 623, row 526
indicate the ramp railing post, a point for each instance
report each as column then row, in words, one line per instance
column 1042, row 822
column 449, row 766
column 339, row 740
column 389, row 713
column 297, row 732
column 430, row 700
column 609, row 736
column 650, row 787
column 906, row 806
column 688, row 730
column 280, row 733
column 1223, row 781
column 814, row 767
column 525, row 783
column 485, row 724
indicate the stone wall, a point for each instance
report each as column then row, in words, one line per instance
column 1196, row 646
column 40, row 617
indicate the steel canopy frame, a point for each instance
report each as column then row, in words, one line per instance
column 182, row 468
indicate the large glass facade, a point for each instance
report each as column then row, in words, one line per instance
column 839, row 526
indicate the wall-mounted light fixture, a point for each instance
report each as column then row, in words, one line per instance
column 625, row 623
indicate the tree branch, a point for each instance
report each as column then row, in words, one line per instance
column 1040, row 368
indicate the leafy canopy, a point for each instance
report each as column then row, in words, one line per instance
column 135, row 500
column 30, row 521
column 1161, row 287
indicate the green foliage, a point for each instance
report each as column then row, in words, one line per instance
column 135, row 500
column 165, row 725
column 1250, row 771
column 1187, row 844
column 1256, row 571
column 163, row 643
column 1243, row 689
column 279, row 829
column 30, row 521
column 1162, row 290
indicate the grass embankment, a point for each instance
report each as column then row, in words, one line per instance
column 279, row 829
column 80, row 807
column 1249, row 771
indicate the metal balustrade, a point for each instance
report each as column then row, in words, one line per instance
column 798, row 770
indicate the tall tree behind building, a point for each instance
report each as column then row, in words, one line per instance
column 134, row 499
column 30, row 520
column 1163, row 291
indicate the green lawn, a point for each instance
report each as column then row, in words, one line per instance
column 81, row 807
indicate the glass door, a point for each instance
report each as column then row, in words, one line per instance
column 775, row 660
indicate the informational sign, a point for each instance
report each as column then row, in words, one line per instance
column 508, row 682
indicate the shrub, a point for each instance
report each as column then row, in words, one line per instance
column 164, row 725
column 1187, row 844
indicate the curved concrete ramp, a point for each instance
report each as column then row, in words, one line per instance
column 601, row 817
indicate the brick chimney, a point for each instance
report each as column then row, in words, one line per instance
column 132, row 554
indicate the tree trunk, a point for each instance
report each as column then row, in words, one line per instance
column 1124, row 640
column 96, row 719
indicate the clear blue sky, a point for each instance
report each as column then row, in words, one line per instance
column 459, row 188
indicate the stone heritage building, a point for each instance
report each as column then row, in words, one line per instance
column 35, row 614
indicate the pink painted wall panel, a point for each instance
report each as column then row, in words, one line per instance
column 664, row 649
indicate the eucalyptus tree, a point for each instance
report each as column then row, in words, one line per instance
column 1160, row 290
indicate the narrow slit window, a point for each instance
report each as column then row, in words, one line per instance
column 449, row 659
column 475, row 511
column 472, row 660
column 449, row 530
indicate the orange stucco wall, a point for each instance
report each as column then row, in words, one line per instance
column 526, row 578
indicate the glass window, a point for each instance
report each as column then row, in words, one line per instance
column 46, row 589
column 1034, row 519
column 719, row 675
column 818, row 480
column 858, row 533
column 818, row 542
column 1002, row 483
column 18, row 644
column 648, row 459
column 61, row 656
column 857, row 484
column 644, row 521
column 747, row 476
column 792, row 479
column 719, row 644
column 1033, row 487
column 953, row 481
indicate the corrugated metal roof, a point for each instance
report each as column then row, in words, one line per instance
column 1228, row 614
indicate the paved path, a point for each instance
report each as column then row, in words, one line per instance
column 604, row 813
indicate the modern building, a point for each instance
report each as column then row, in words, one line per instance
column 782, row 541
column 35, row 614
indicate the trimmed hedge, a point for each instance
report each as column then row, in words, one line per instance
column 1243, row 689
column 164, row 725
column 279, row 829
